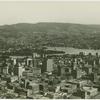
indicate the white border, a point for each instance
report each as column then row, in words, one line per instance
column 55, row 0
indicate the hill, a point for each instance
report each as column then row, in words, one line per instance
column 50, row 34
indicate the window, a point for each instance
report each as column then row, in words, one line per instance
column 88, row 93
column 66, row 70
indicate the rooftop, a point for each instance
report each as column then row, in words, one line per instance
column 89, row 89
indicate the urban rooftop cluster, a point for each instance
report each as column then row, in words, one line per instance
column 47, row 74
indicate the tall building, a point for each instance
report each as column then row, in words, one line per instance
column 50, row 64
column 18, row 69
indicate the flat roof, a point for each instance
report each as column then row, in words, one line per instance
column 89, row 89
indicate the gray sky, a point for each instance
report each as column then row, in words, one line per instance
column 32, row 12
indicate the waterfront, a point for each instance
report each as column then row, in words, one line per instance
column 69, row 50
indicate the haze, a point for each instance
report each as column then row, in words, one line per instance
column 33, row 12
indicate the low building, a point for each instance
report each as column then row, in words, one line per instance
column 69, row 88
column 32, row 89
column 20, row 91
column 66, row 72
column 79, row 82
column 14, row 78
column 90, row 92
column 79, row 73
column 88, row 68
column 36, row 71
column 5, row 70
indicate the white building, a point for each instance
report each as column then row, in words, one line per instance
column 50, row 64
column 90, row 92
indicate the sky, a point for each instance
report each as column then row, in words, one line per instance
column 12, row 12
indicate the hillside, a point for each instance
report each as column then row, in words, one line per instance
column 50, row 34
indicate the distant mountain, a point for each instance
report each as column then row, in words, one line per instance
column 50, row 34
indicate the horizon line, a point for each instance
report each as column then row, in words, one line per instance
column 46, row 22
